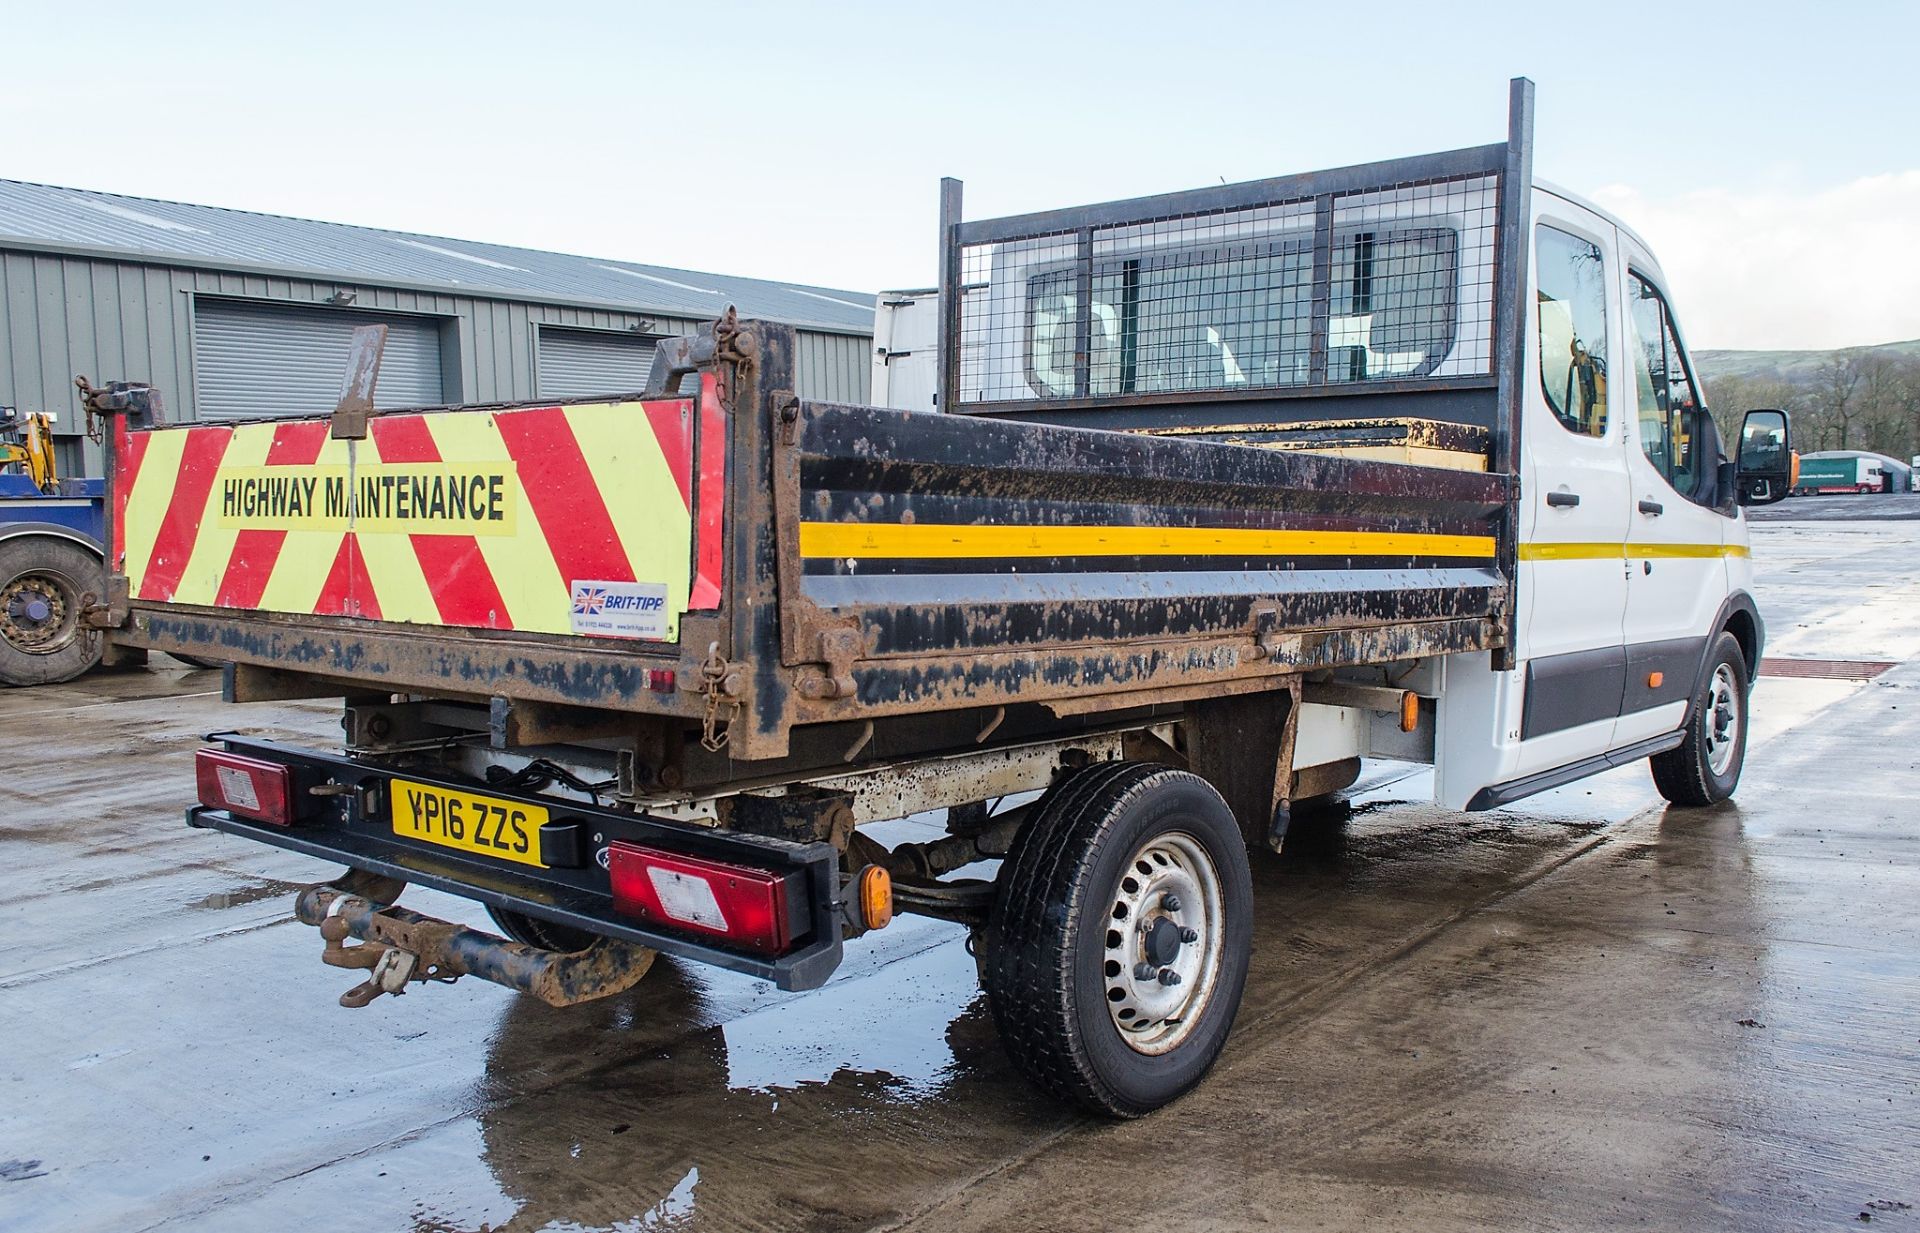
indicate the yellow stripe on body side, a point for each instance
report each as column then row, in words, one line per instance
column 147, row 502
column 1549, row 551
column 931, row 540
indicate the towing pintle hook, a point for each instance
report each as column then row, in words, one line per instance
column 400, row 948
column 390, row 968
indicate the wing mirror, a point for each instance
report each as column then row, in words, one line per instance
column 1767, row 466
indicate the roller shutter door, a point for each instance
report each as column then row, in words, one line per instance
column 269, row 359
column 578, row 363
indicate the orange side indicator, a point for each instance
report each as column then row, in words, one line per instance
column 1654, row 679
column 1409, row 711
column 876, row 897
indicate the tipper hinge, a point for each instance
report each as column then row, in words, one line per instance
column 835, row 649
column 786, row 415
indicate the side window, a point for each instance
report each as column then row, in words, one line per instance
column 1664, row 397
column 1572, row 283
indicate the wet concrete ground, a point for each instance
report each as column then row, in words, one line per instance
column 1841, row 507
column 1579, row 1012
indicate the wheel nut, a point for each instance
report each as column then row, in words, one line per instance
column 1189, row 935
column 1143, row 971
column 1169, row 977
column 1171, row 902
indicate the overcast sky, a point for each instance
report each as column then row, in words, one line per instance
column 1768, row 151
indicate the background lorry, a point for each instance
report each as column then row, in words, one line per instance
column 1226, row 490
column 1833, row 473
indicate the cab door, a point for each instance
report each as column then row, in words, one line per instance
column 1677, row 540
column 1575, row 495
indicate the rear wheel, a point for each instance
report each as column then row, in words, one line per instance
column 43, row 585
column 1705, row 767
column 541, row 934
column 1117, row 948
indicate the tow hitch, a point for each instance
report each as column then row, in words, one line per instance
column 399, row 947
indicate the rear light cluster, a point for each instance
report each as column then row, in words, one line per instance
column 744, row 906
column 246, row 787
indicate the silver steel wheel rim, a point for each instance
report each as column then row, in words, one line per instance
column 1152, row 1014
column 1723, row 719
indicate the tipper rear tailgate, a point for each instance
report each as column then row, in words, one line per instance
column 574, row 519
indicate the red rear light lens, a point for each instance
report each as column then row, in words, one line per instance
column 248, row 787
column 746, row 907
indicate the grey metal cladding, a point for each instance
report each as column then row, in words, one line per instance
column 80, row 221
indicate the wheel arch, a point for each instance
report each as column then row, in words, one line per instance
column 1740, row 616
column 52, row 530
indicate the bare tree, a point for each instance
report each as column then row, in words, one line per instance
column 1835, row 400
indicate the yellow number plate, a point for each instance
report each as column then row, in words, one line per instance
column 505, row 830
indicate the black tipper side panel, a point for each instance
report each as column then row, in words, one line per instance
column 949, row 536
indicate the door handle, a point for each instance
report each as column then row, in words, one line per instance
column 1652, row 507
column 1563, row 500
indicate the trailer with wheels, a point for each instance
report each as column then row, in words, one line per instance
column 52, row 563
column 52, row 533
column 1223, row 492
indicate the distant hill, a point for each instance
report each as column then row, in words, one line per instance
column 1794, row 366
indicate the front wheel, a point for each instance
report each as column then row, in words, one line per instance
column 1117, row 948
column 1705, row 767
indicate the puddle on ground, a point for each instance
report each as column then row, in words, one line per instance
column 241, row 896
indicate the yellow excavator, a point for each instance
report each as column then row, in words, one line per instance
column 26, row 441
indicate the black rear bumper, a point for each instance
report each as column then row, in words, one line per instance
column 354, row 828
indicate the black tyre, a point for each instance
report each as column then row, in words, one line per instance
column 1705, row 767
column 541, row 934
column 1128, row 872
column 43, row 585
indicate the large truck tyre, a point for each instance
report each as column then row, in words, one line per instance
column 43, row 581
column 1704, row 768
column 540, row 934
column 1118, row 944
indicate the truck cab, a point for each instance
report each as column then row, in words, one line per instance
column 1634, row 555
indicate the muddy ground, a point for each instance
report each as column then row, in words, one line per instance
column 1580, row 1012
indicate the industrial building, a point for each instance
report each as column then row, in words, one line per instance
column 236, row 314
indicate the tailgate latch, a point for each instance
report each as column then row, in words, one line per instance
column 724, row 685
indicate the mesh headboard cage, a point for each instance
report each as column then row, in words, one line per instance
column 1402, row 277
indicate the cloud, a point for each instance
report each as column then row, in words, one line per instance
column 1771, row 270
